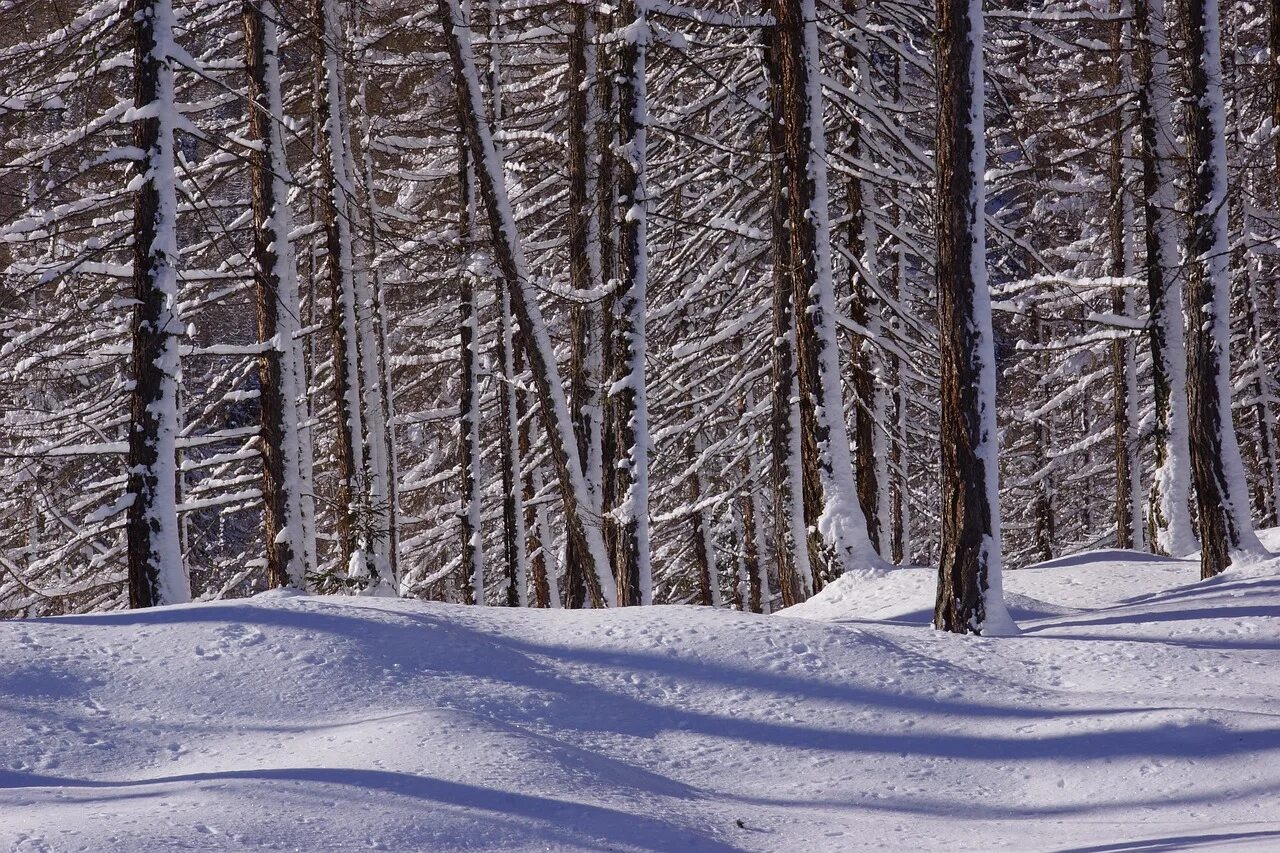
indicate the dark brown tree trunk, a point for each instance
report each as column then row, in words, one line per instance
column 862, row 303
column 791, row 549
column 793, row 103
column 1123, row 437
column 1215, row 457
column 156, row 575
column 701, row 535
column 271, row 363
column 468, row 403
column 970, row 532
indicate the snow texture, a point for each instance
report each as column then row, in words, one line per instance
column 1136, row 711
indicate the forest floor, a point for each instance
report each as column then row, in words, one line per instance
column 1138, row 710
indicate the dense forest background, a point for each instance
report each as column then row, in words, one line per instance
column 378, row 376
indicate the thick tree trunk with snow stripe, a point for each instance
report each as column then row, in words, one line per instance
column 280, row 367
column 157, row 574
column 1226, row 528
column 839, row 519
column 1169, row 519
column 969, row 596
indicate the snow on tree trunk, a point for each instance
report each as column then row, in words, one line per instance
column 631, row 564
column 157, row 574
column 376, row 397
column 1226, row 529
column 583, row 522
column 587, row 360
column 355, row 555
column 969, row 594
column 839, row 520
column 280, row 367
column 1170, row 500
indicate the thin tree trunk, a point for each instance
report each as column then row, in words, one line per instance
column 469, row 402
column 1128, row 519
column 156, row 571
column 969, row 598
column 704, row 553
column 513, row 517
column 631, row 562
column 355, row 555
column 585, row 274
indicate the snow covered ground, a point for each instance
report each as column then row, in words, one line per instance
column 1138, row 711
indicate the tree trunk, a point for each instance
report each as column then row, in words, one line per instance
column 1128, row 515
column 513, row 517
column 840, row 522
column 1221, row 494
column 1169, row 513
column 469, row 402
column 631, row 419
column 704, row 553
column 790, row 534
column 280, row 367
column 969, row 598
column 156, row 571
column 355, row 556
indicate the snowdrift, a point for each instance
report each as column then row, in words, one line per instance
column 1137, row 711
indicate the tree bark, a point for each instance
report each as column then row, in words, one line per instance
column 969, row 599
column 1169, row 520
column 156, row 571
column 280, row 367
column 469, row 400
column 631, row 419
column 1221, row 495
column 791, row 545
column 828, row 462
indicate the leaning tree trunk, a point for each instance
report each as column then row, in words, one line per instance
column 280, row 367
column 840, row 521
column 1170, row 499
column 156, row 571
column 583, row 523
column 1221, row 493
column 969, row 598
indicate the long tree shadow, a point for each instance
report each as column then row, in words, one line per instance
column 547, row 820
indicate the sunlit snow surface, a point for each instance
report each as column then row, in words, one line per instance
column 1138, row 711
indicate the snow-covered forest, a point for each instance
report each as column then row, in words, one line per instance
column 582, row 304
column 335, row 320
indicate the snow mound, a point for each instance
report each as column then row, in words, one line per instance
column 291, row 722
